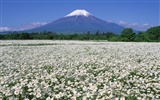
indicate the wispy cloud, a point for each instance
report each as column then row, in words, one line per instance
column 2, row 29
column 31, row 25
column 141, row 27
column 23, row 27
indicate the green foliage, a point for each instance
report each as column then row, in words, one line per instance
column 114, row 38
column 141, row 37
column 154, row 33
column 54, row 36
column 131, row 98
column 127, row 35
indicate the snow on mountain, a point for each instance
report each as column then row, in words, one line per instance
column 78, row 13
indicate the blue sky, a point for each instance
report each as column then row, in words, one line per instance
column 26, row 14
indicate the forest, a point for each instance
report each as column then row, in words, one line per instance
column 127, row 35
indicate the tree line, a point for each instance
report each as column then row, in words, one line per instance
column 127, row 35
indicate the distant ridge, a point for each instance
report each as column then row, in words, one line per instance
column 79, row 21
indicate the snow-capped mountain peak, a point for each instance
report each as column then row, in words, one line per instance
column 79, row 12
column 79, row 21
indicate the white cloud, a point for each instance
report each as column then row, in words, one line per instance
column 122, row 22
column 2, row 29
column 31, row 25
column 23, row 27
column 141, row 27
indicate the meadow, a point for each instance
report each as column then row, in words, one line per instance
column 79, row 70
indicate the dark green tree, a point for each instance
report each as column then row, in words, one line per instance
column 24, row 36
column 127, row 35
column 154, row 33
column 97, row 33
column 141, row 37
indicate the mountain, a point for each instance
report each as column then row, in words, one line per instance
column 79, row 21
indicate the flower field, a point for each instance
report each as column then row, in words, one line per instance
column 79, row 70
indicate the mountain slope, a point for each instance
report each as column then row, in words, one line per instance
column 79, row 21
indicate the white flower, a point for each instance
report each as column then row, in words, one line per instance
column 122, row 98
column 16, row 92
column 7, row 93
column 119, row 87
column 43, row 83
column 48, row 98
column 73, row 98
column 84, row 98
column 84, row 88
column 26, row 99
column 111, row 95
column 21, row 91
column 128, row 91
column 38, row 90
column 139, row 98
column 2, row 82
column 38, row 95
column 30, row 85
column 78, row 94
column 52, row 98
column 101, row 69
column 57, row 96
column 116, row 98
column 29, row 90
